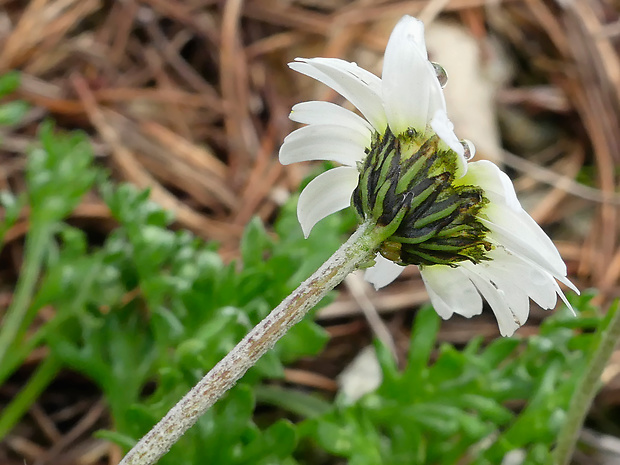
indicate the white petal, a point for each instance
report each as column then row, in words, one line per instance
column 564, row 299
column 328, row 193
column 451, row 291
column 329, row 113
column 536, row 282
column 410, row 29
column 568, row 283
column 383, row 272
column 506, row 320
column 487, row 175
column 508, row 285
column 535, row 275
column 519, row 233
column 509, row 223
column 324, row 142
column 358, row 86
column 444, row 128
column 407, row 77
column 437, row 99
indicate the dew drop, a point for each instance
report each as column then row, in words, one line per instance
column 442, row 76
column 470, row 149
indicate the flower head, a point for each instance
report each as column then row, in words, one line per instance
column 405, row 170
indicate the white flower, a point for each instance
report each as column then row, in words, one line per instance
column 521, row 264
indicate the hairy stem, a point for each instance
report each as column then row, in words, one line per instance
column 360, row 248
column 587, row 388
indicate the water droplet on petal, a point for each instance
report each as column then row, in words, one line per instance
column 442, row 76
column 470, row 149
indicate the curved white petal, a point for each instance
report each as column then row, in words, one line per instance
column 328, row 193
column 508, row 281
column 383, row 272
column 493, row 180
column 324, row 142
column 568, row 283
column 564, row 299
column 536, row 273
column 409, row 29
column 511, row 288
column 536, row 282
column 437, row 99
column 509, row 223
column 407, row 77
column 498, row 300
column 451, row 291
column 358, row 86
column 317, row 112
column 518, row 232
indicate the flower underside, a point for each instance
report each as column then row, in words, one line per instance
column 410, row 179
column 407, row 187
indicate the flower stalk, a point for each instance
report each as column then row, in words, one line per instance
column 587, row 388
column 360, row 248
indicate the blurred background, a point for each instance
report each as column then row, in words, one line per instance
column 190, row 99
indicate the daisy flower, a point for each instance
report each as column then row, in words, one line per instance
column 404, row 169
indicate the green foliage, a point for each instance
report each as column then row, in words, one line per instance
column 11, row 113
column 11, row 205
column 147, row 313
column 453, row 409
column 59, row 173
column 9, row 83
column 154, row 307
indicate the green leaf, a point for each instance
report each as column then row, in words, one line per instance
column 304, row 339
column 255, row 243
column 335, row 438
column 423, row 340
column 436, row 417
column 58, row 173
column 498, row 351
column 132, row 207
column 12, row 112
column 9, row 82
column 275, row 444
column 291, row 400
column 486, row 407
column 123, row 440
column 12, row 206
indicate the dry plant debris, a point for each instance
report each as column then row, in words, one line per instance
column 190, row 98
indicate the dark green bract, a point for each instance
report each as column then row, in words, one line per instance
column 407, row 185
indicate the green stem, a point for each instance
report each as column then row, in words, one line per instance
column 12, row 324
column 16, row 356
column 587, row 388
column 19, row 352
column 292, row 400
column 37, row 383
column 359, row 249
